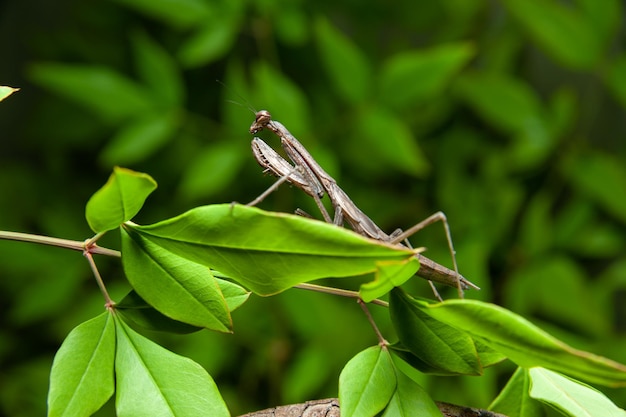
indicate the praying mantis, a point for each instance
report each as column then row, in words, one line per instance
column 310, row 177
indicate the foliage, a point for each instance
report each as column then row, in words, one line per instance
column 506, row 115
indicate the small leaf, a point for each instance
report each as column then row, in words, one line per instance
column 570, row 396
column 140, row 138
column 208, row 43
column 137, row 311
column 421, row 75
column 7, row 91
column 158, row 71
column 524, row 343
column 410, row 400
column 152, row 381
column 391, row 140
column 389, row 275
column 177, row 13
column 180, row 289
column 441, row 348
column 561, row 30
column 109, row 94
column 514, row 399
column 81, row 379
column 345, row 64
column 615, row 80
column 367, row 383
column 212, row 170
column 119, row 200
column 267, row 252
column 602, row 178
column 282, row 97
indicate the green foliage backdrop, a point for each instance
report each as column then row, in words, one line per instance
column 507, row 115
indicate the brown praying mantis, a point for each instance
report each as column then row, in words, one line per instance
column 311, row 178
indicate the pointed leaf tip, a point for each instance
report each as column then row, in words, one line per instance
column 119, row 200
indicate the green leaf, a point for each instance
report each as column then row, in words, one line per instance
column 282, row 97
column 140, row 138
column 389, row 275
column 410, row 400
column 267, row 252
column 234, row 294
column 182, row 290
column 119, row 200
column 514, row 400
column 176, row 13
column 614, row 79
column 391, row 140
column 109, row 94
column 208, row 43
column 345, row 64
column 212, row 170
column 152, row 381
column 571, row 397
column 524, row 343
column 159, row 71
column 602, row 177
column 505, row 102
column 419, row 76
column 6, row 92
column 81, row 379
column 441, row 348
column 138, row 312
column 367, row 383
column 561, row 30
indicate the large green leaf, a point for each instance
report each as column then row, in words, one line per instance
column 81, row 380
column 441, row 348
column 152, row 381
column 183, row 290
column 524, row 343
column 137, row 311
column 514, row 399
column 410, row 400
column 345, row 64
column 119, row 200
column 417, row 76
column 367, row 383
column 570, row 396
column 267, row 252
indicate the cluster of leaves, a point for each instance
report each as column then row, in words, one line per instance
column 172, row 267
column 506, row 115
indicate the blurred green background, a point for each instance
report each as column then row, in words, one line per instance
column 508, row 115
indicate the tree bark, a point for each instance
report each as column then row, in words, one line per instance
column 330, row 408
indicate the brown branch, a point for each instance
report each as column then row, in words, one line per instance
column 330, row 408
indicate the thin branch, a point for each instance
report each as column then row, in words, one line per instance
column 61, row 243
column 337, row 291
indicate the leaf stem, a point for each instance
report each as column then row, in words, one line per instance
column 61, row 243
column 109, row 303
column 337, row 291
column 381, row 340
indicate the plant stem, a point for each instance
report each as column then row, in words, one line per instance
column 61, row 243
column 108, row 301
column 381, row 340
column 337, row 291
